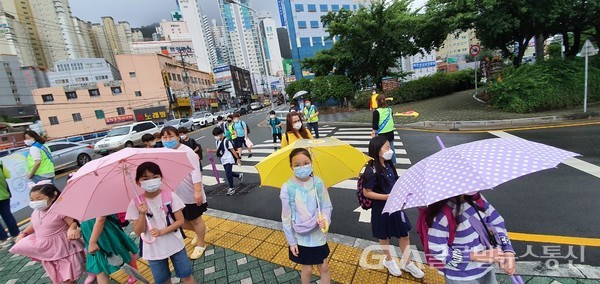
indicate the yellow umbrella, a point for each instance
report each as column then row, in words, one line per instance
column 333, row 161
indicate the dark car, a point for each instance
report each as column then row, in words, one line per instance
column 244, row 109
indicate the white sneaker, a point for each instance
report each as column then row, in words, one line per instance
column 230, row 191
column 241, row 177
column 9, row 241
column 392, row 267
column 414, row 270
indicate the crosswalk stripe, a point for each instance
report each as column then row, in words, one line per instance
column 359, row 137
column 366, row 142
column 236, row 168
column 354, row 132
column 366, row 150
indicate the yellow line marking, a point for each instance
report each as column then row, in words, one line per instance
column 507, row 129
column 563, row 240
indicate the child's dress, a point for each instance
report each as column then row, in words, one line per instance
column 62, row 259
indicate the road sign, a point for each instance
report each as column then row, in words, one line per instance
column 451, row 60
column 588, row 49
column 475, row 50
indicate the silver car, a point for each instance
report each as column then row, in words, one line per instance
column 69, row 154
column 178, row 123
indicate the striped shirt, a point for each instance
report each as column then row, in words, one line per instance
column 304, row 209
column 458, row 265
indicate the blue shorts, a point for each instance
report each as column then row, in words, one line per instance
column 239, row 142
column 160, row 268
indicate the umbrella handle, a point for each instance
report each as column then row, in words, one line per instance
column 439, row 140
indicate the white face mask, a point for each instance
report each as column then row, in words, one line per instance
column 151, row 185
column 39, row 205
column 307, row 104
column 272, row 116
column 220, row 122
column 218, row 138
column 388, row 155
column 29, row 142
column 183, row 137
column 236, row 120
column 297, row 125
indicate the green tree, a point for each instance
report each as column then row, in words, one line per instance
column 301, row 85
column 369, row 41
column 337, row 87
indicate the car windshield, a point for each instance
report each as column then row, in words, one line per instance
column 172, row 122
column 199, row 114
column 118, row 131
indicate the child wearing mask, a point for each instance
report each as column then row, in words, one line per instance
column 294, row 130
column 275, row 124
column 229, row 157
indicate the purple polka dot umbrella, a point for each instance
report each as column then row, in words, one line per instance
column 471, row 167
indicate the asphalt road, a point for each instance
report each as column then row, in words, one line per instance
column 555, row 202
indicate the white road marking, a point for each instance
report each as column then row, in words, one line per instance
column 573, row 162
column 236, row 168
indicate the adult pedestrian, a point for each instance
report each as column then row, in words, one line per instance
column 39, row 160
column 383, row 123
column 380, row 177
column 241, row 132
column 275, row 124
column 311, row 113
column 294, row 130
column 373, row 101
column 7, row 216
column 190, row 190
column 187, row 141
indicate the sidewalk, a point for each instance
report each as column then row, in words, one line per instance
column 461, row 110
column 250, row 250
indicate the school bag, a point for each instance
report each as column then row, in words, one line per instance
column 423, row 230
column 167, row 198
column 120, row 220
column 363, row 201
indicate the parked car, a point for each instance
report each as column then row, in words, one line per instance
column 255, row 106
column 124, row 136
column 267, row 102
column 68, row 154
column 180, row 122
column 202, row 118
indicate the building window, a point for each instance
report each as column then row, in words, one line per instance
column 314, row 24
column 347, row 7
column 302, row 24
column 311, row 7
column 323, row 8
column 81, row 79
column 103, row 77
column 53, row 120
column 62, row 81
column 138, row 93
column 76, row 117
column 299, row 8
column 48, row 98
column 335, row 8
column 71, row 95
column 178, row 77
column 132, row 75
column 116, row 90
column 94, row 93
column 120, row 111
column 99, row 114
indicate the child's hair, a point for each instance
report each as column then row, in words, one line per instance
column 35, row 136
column 157, row 135
column 236, row 115
column 230, row 116
column 219, row 118
column 169, row 129
column 381, row 101
column 299, row 151
column 183, row 130
column 272, row 112
column 148, row 137
column 147, row 166
column 48, row 190
column 217, row 131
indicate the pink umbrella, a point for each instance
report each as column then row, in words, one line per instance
column 107, row 185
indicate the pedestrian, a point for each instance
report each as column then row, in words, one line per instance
column 229, row 157
column 275, row 124
column 220, row 123
column 104, row 238
column 229, row 131
column 241, row 132
column 39, row 161
column 187, row 141
column 293, row 107
column 373, row 101
column 294, row 130
column 468, row 259
column 7, row 216
column 158, row 141
column 383, row 123
column 149, row 140
column 150, row 221
column 190, row 190
column 305, row 215
column 379, row 178
column 311, row 113
column 52, row 239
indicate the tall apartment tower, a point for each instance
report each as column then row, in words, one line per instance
column 210, row 41
column 271, row 43
column 192, row 15
column 221, row 47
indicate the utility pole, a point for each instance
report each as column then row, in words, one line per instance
column 186, row 78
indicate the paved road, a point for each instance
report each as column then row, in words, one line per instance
column 557, row 202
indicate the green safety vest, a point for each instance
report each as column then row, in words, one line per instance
column 46, row 166
column 4, row 191
column 383, row 114
column 308, row 112
column 231, row 131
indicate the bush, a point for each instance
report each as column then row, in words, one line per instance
column 362, row 99
column 464, row 79
column 547, row 85
column 436, row 85
column 335, row 88
column 297, row 86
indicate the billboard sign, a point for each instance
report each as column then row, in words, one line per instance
column 151, row 113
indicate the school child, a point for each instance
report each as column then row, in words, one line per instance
column 275, row 124
column 52, row 239
column 157, row 219
column 306, row 215
column 229, row 157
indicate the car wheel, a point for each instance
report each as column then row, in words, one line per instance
column 128, row 144
column 83, row 159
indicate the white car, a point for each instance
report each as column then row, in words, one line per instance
column 178, row 123
column 202, row 118
column 124, row 136
column 255, row 106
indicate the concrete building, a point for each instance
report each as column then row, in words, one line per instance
column 192, row 15
column 456, row 46
column 284, row 43
column 172, row 31
column 111, row 39
column 420, row 65
column 15, row 40
column 210, row 42
column 271, row 45
column 165, row 47
column 137, row 36
column 221, row 47
column 306, row 32
column 16, row 83
column 147, row 81
column 82, row 71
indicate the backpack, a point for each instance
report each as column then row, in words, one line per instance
column 423, row 231
column 120, row 221
column 167, row 198
column 245, row 124
column 365, row 202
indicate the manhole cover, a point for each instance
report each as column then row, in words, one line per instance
column 221, row 189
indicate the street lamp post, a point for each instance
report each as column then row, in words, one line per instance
column 264, row 73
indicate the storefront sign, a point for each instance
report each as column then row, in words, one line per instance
column 151, row 113
column 118, row 119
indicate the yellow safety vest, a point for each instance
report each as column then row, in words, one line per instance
column 308, row 112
